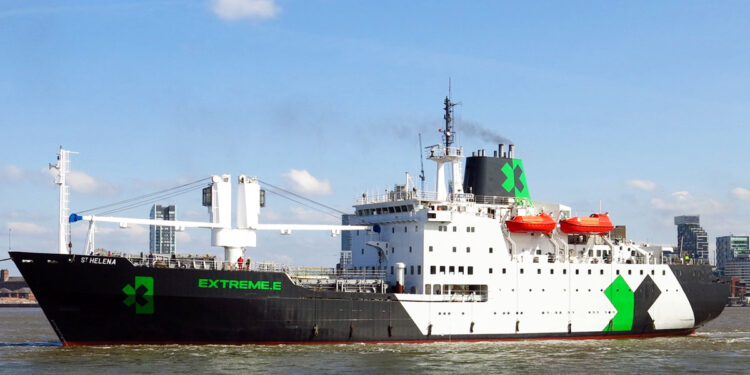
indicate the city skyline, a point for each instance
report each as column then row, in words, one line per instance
column 639, row 106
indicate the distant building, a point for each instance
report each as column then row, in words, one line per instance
column 691, row 238
column 619, row 233
column 13, row 289
column 730, row 248
column 345, row 260
column 738, row 268
column 162, row 239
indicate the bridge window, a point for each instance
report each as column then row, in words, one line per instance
column 442, row 270
column 454, row 228
column 412, row 269
column 432, row 270
column 470, row 270
column 430, row 248
column 490, row 269
column 419, row 270
column 428, row 289
column 504, row 271
column 468, row 249
column 460, row 270
column 454, row 249
column 451, row 270
column 490, row 250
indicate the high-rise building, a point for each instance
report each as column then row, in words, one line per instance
column 162, row 239
column 730, row 248
column 738, row 268
column 691, row 238
column 345, row 260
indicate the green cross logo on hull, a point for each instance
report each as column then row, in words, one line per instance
column 142, row 295
column 623, row 299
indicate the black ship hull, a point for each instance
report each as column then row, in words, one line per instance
column 92, row 300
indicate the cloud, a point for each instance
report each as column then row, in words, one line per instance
column 741, row 193
column 15, row 174
column 303, row 182
column 12, row 173
column 684, row 202
column 233, row 10
column 78, row 181
column 81, row 182
column 641, row 184
column 27, row 228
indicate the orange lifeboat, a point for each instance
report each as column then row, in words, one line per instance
column 529, row 224
column 596, row 223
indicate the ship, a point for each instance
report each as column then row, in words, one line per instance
column 473, row 260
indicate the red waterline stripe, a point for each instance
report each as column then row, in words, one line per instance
column 597, row 337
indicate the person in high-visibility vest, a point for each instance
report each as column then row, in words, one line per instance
column 240, row 261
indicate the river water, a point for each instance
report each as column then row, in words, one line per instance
column 29, row 346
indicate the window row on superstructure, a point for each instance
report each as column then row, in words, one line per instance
column 474, row 292
column 385, row 210
column 444, row 228
column 455, row 249
column 393, row 229
column 451, row 270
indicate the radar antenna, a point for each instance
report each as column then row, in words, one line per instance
column 449, row 134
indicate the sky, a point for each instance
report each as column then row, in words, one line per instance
column 639, row 105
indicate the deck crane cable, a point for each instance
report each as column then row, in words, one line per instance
column 303, row 204
column 303, row 198
column 152, row 199
column 148, row 197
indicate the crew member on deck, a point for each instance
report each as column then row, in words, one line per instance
column 239, row 262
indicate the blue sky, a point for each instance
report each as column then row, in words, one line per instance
column 641, row 105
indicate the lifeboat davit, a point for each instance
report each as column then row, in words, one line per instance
column 596, row 223
column 529, row 224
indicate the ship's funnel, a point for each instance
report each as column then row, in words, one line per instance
column 495, row 176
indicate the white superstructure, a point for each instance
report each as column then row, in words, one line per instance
column 455, row 246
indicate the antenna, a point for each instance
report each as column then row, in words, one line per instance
column 448, row 132
column 421, row 161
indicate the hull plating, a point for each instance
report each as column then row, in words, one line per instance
column 94, row 300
